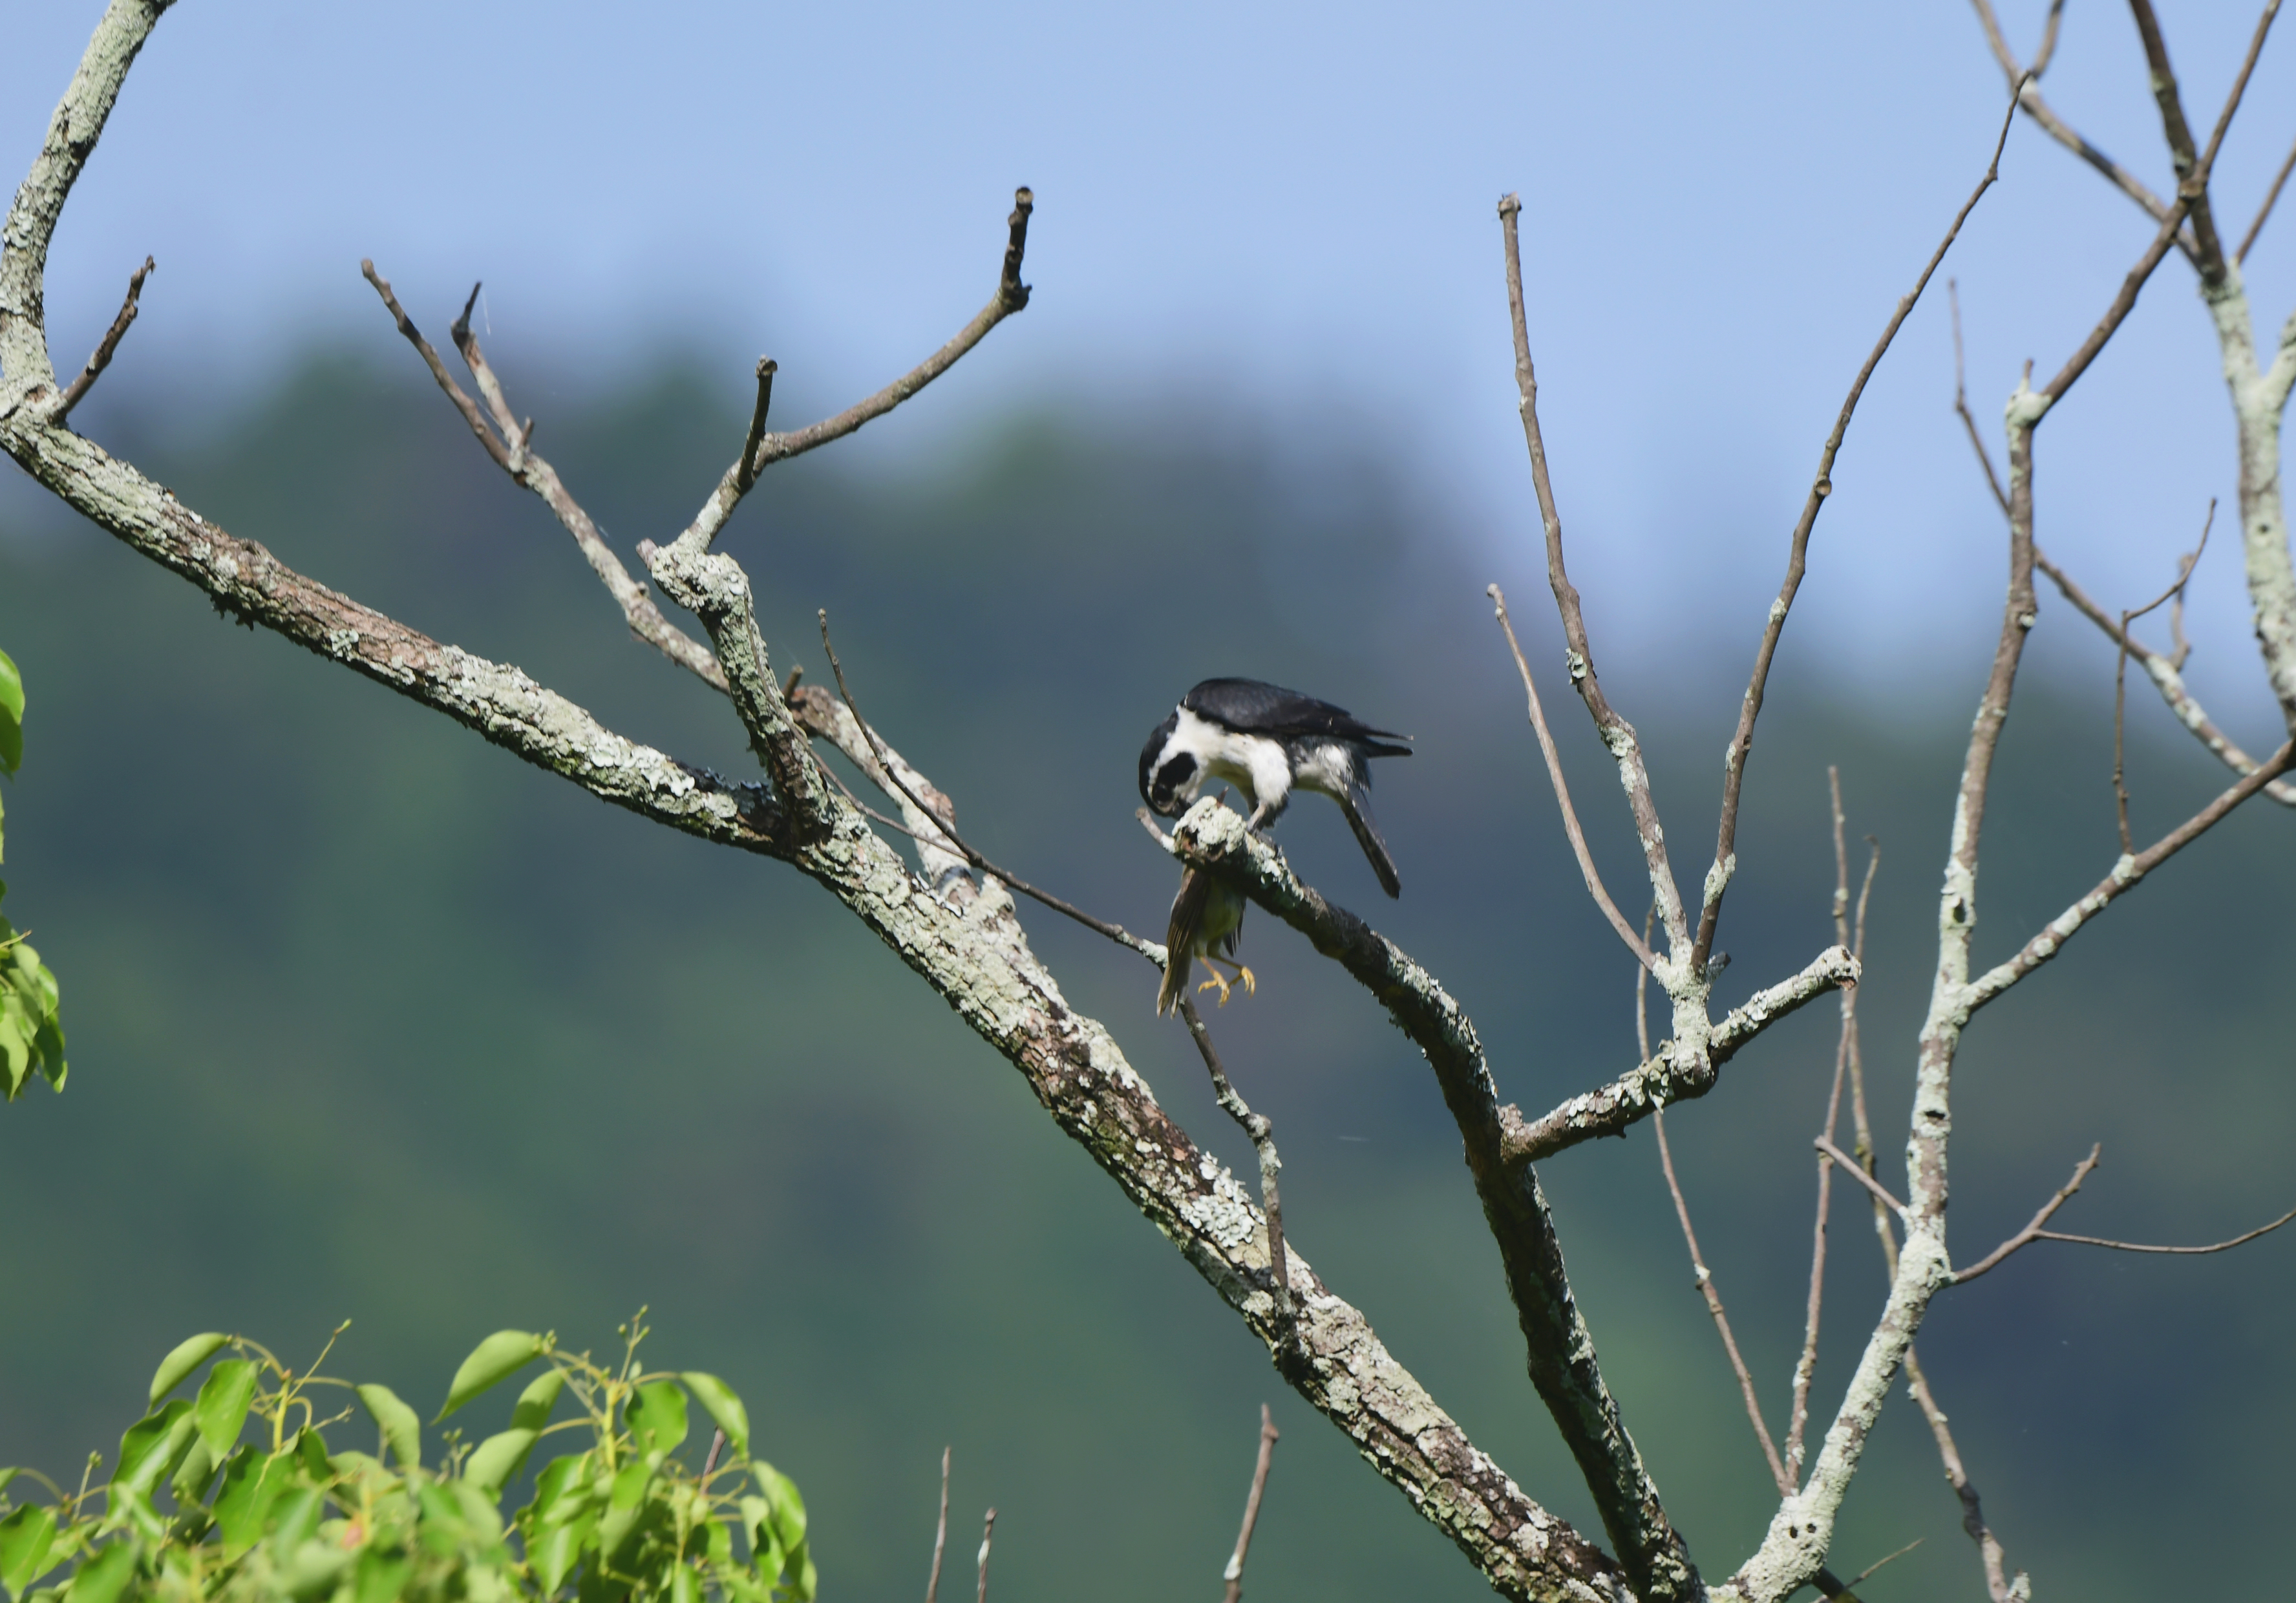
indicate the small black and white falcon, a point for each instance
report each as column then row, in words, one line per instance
column 1267, row 742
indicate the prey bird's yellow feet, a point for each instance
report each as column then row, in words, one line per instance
column 1242, row 977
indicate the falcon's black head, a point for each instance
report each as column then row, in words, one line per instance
column 1164, row 781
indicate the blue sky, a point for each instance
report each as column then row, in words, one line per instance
column 1278, row 215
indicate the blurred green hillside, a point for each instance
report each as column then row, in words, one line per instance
column 368, row 1021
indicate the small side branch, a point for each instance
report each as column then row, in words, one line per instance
column 105, row 347
column 1998, row 1585
column 2167, row 678
column 2271, row 198
column 987, row 1531
column 510, row 444
column 1638, row 945
column 2126, row 875
column 1012, row 295
column 1673, row 1074
column 1618, row 734
column 1742, row 740
column 1263, row 1144
column 2175, row 592
column 760, row 450
column 940, row 1533
column 1233, row 1574
column 1857, row 1172
column 1703, row 1279
column 2032, row 1231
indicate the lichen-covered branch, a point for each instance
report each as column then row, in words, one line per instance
column 1561, row 1351
column 1676, row 1072
column 2166, row 677
column 511, row 444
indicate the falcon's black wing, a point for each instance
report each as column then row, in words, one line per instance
column 1253, row 707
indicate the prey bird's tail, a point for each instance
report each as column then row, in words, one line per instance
column 1182, row 937
column 1357, row 806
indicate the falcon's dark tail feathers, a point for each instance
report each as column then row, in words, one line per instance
column 1358, row 807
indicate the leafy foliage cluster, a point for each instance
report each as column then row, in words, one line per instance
column 31, row 1038
column 259, row 1508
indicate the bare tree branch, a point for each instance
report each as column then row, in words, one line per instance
column 2190, row 561
column 101, row 357
column 1742, row 740
column 511, row 445
column 1703, row 1280
column 1559, row 1350
column 2025, row 84
column 1271, row 1204
column 1233, row 1574
column 1638, row 945
column 2271, row 198
column 941, row 1532
column 1857, row 1172
column 1998, row 1583
column 1673, row 1074
column 2126, row 875
column 1962, row 1277
column 1618, row 734
column 988, row 1529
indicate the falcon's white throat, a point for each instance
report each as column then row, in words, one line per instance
column 1259, row 766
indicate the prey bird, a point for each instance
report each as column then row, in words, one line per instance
column 1267, row 742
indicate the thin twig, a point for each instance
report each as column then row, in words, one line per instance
column 988, row 1529
column 2125, row 876
column 2064, row 1195
column 941, row 1532
column 2024, row 83
column 1618, row 734
column 2163, row 671
column 746, row 474
column 2120, row 671
column 1233, row 1574
column 1890, row 1557
column 1012, row 295
column 1639, row 946
column 1806, row 1365
column 1998, row 1585
column 1858, row 1174
column 709, row 1464
column 2271, row 198
column 2190, row 1252
column 1699, row 1275
column 1263, row 1145
column 510, row 444
column 2123, row 303
column 1114, row 932
column 105, row 347
column 1961, row 403
column 1742, row 740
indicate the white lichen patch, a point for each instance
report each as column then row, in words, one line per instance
column 1222, row 1219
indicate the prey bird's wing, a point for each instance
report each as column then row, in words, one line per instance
column 1253, row 707
column 1183, row 937
column 1357, row 806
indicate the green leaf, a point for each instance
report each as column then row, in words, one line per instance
column 561, row 1491
column 723, row 1406
column 186, row 1357
column 402, row 1432
column 26, row 1536
column 102, row 1578
column 789, row 1508
column 222, row 1407
column 656, row 1417
column 685, row 1586
column 494, row 1360
column 382, row 1576
column 559, row 1549
column 7, row 1476
column 495, row 1460
column 536, row 1401
column 11, row 716
column 198, row 1469
column 251, row 1482
column 299, row 1515
column 144, row 1441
